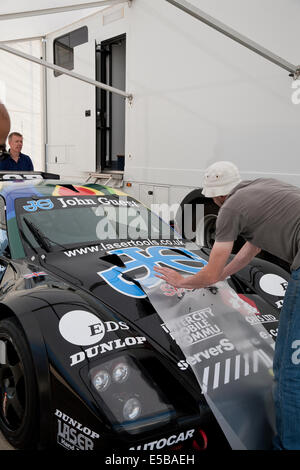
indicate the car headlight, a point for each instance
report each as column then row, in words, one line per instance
column 132, row 409
column 129, row 397
column 121, row 372
column 101, row 380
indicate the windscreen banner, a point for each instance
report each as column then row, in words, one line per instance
column 223, row 340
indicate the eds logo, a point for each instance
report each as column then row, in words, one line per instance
column 146, row 260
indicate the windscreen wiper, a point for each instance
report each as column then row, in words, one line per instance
column 43, row 238
column 38, row 235
column 23, row 236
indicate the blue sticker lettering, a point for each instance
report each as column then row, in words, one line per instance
column 148, row 259
column 33, row 206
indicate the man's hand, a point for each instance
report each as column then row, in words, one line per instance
column 207, row 276
column 171, row 276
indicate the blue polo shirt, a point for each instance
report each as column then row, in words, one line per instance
column 24, row 164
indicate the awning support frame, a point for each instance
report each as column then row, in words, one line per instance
column 62, row 70
column 48, row 11
column 294, row 70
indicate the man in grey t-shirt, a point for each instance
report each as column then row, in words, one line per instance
column 266, row 213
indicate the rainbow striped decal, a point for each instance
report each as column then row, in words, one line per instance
column 85, row 190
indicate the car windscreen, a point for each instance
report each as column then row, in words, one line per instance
column 59, row 222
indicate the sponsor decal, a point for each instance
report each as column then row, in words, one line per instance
column 83, row 251
column 234, row 368
column 79, row 200
column 124, row 244
column 165, row 442
column 192, row 328
column 261, row 319
column 44, row 204
column 72, row 435
column 231, row 354
column 147, row 259
column 106, row 347
column 197, row 327
column 272, row 332
column 76, row 201
column 102, row 200
column 273, row 284
column 223, row 372
column 86, row 329
column 82, row 328
column 206, row 354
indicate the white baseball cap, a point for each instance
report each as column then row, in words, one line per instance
column 220, row 178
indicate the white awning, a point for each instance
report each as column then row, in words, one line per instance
column 33, row 18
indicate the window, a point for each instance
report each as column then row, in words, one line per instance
column 64, row 48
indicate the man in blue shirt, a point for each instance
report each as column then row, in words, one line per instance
column 16, row 161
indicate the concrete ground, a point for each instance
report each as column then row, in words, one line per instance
column 4, row 445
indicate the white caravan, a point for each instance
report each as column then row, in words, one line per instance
column 197, row 97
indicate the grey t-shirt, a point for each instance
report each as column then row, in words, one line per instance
column 265, row 212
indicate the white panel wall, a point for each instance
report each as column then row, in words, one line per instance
column 71, row 149
column 21, row 92
column 71, row 143
column 200, row 97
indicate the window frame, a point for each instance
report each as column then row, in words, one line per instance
column 74, row 40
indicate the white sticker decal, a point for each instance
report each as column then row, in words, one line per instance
column 73, row 435
column 230, row 353
column 102, row 348
column 273, row 284
column 86, row 329
column 170, row 441
column 81, row 328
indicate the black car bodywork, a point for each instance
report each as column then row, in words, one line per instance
column 84, row 360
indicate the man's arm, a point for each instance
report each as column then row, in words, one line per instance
column 242, row 259
column 4, row 124
column 209, row 275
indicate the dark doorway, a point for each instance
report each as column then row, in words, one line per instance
column 110, row 107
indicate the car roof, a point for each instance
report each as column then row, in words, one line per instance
column 41, row 188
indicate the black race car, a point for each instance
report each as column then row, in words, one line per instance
column 86, row 361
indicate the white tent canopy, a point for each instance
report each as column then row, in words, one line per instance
column 37, row 23
column 25, row 23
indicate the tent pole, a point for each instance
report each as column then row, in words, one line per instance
column 235, row 36
column 46, row 64
column 47, row 11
